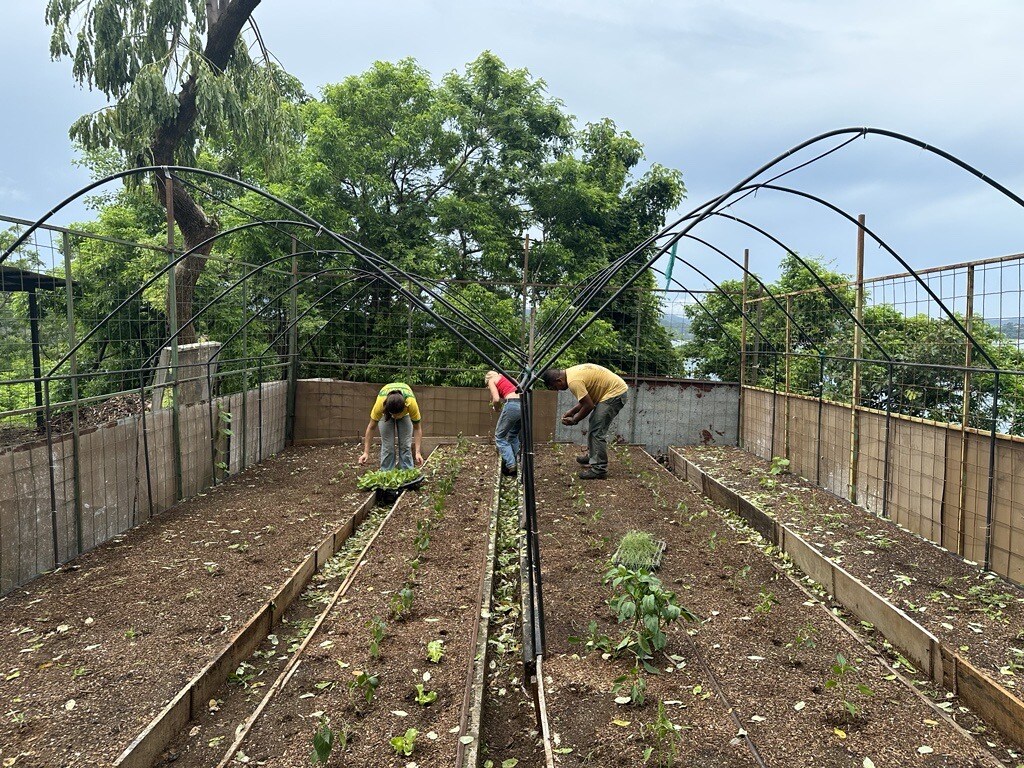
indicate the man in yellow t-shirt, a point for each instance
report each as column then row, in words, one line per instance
column 600, row 395
column 396, row 414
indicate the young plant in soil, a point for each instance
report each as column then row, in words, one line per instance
column 401, row 603
column 323, row 742
column 840, row 681
column 377, row 628
column 663, row 739
column 424, row 697
column 435, row 651
column 364, row 686
column 644, row 608
column 387, row 479
column 406, row 743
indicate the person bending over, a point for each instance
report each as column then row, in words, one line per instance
column 600, row 395
column 397, row 416
column 506, row 433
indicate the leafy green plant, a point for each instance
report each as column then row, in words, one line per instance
column 663, row 737
column 406, row 743
column 323, row 742
column 767, row 601
column 804, row 637
column 387, row 479
column 638, row 551
column 633, row 686
column 594, row 640
column 435, row 651
column 779, row 466
column 364, row 685
column 644, row 608
column 422, row 540
column 841, row 671
column 401, row 603
column 423, row 697
column 377, row 628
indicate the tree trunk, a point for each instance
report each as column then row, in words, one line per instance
column 224, row 24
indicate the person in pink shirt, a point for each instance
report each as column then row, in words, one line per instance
column 506, row 433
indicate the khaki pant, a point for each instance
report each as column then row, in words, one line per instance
column 597, row 431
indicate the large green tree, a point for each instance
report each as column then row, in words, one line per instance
column 176, row 74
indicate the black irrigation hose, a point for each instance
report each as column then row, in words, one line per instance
column 725, row 701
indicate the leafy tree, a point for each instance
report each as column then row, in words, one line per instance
column 175, row 73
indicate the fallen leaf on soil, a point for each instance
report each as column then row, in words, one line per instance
column 925, row 750
column 399, row 713
column 622, row 699
column 930, row 722
column 69, row 704
column 868, row 763
column 621, row 723
column 432, row 735
column 839, row 732
column 465, row 739
column 799, row 705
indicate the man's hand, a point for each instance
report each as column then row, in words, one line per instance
column 419, row 459
column 568, row 421
column 363, row 458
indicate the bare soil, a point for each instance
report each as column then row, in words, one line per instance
column 446, row 601
column 967, row 608
column 763, row 643
column 92, row 652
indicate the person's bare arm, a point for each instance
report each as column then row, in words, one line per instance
column 495, row 397
column 417, row 441
column 367, row 436
column 578, row 412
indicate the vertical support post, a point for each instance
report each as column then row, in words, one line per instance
column 53, row 484
column 636, row 370
column 858, row 345
column 888, row 444
column 172, row 327
column 76, row 470
column 408, row 339
column 37, row 365
column 245, row 375
column 786, row 362
column 743, row 350
column 821, row 408
column 526, row 282
column 293, row 347
column 990, row 506
column 965, row 415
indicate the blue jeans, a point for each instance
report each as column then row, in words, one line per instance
column 506, row 434
column 389, row 429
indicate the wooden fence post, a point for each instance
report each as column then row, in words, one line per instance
column 965, row 414
column 743, row 348
column 857, row 350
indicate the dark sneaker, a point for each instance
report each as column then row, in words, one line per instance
column 584, row 459
column 592, row 474
column 508, row 471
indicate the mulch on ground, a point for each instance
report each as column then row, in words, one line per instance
column 446, row 588
column 771, row 648
column 92, row 652
column 979, row 613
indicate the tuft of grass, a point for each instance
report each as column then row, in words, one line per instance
column 638, row 551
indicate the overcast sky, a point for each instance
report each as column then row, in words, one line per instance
column 712, row 88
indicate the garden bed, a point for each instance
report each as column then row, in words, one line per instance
column 977, row 612
column 378, row 630
column 93, row 651
column 802, row 689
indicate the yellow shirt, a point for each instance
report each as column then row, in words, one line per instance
column 596, row 381
column 412, row 409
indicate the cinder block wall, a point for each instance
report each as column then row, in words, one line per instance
column 326, row 409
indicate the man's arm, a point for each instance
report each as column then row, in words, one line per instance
column 495, row 397
column 417, row 441
column 367, row 436
column 578, row 412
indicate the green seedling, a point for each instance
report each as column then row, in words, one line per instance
column 713, row 541
column 401, row 603
column 594, row 640
column 425, row 698
column 779, row 466
column 435, row 651
column 664, row 739
column 838, row 681
column 377, row 628
column 638, row 551
column 323, row 742
column 406, row 743
column 767, row 601
column 804, row 637
column 632, row 685
column 423, row 535
column 387, row 479
column 364, row 685
column 643, row 608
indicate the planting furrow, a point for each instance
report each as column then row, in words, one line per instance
column 805, row 691
column 383, row 679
